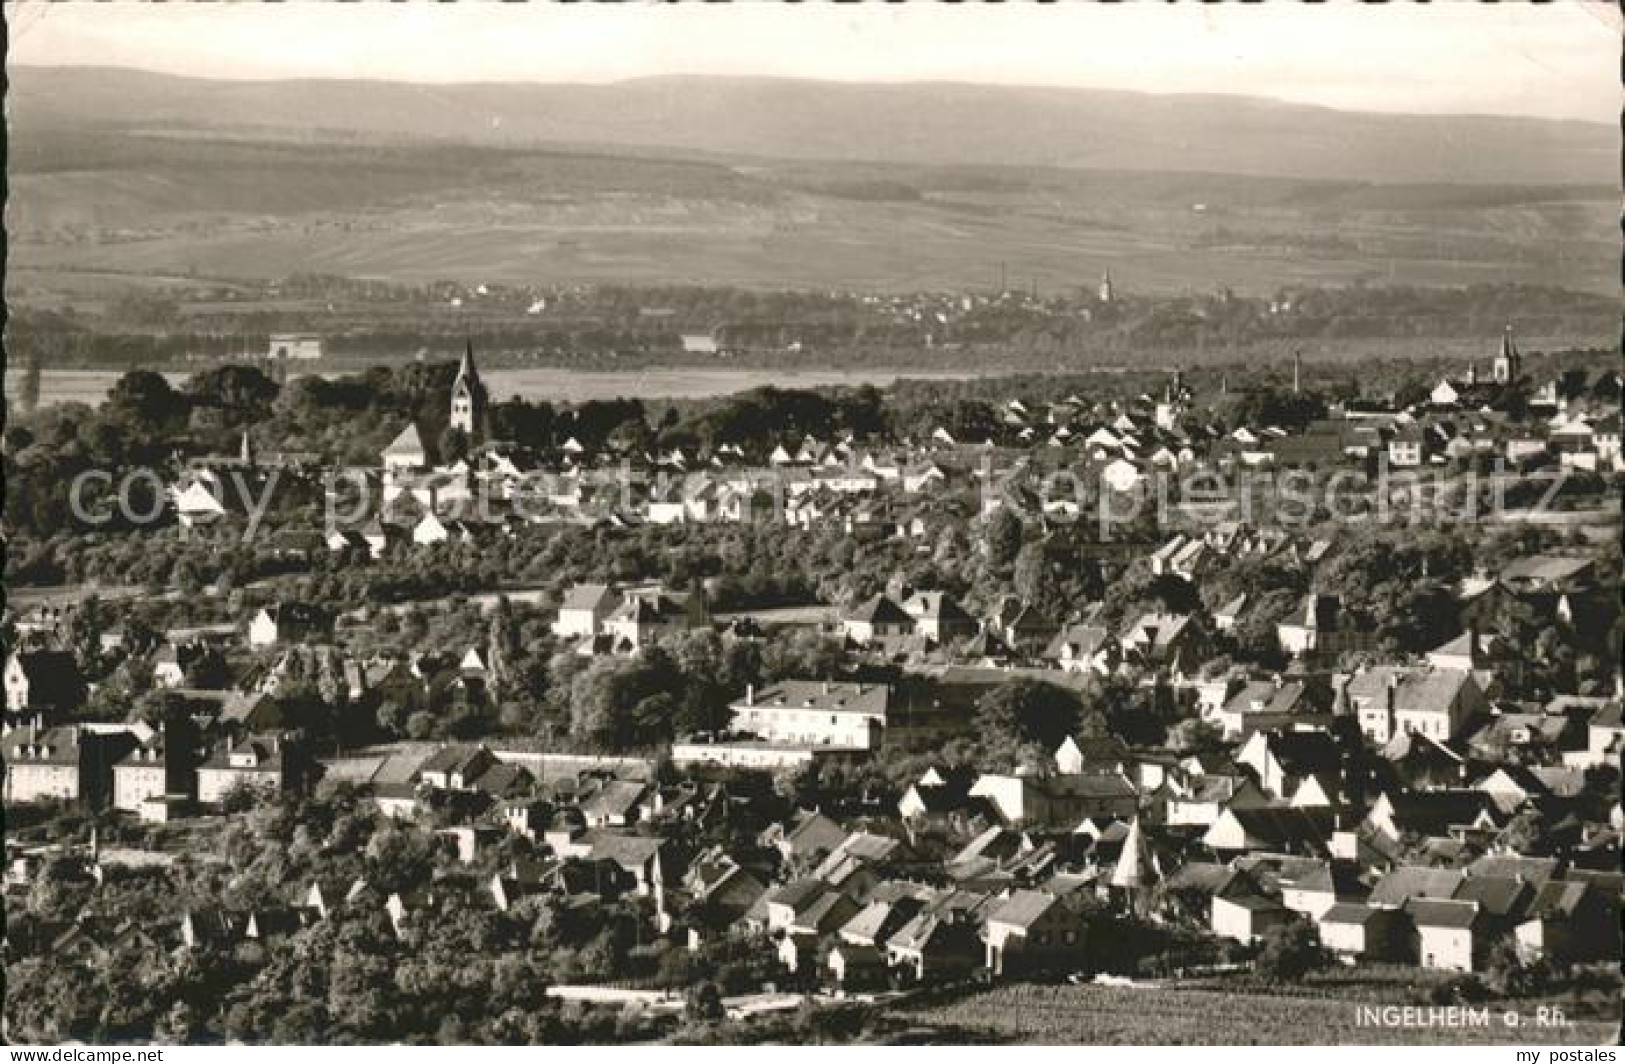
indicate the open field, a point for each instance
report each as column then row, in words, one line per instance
column 1072, row 1015
column 1055, row 239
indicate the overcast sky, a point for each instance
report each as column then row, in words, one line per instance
column 1558, row 60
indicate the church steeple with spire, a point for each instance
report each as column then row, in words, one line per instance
column 469, row 399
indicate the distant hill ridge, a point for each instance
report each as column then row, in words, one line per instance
column 921, row 123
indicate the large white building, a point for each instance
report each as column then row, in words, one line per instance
column 304, row 347
column 814, row 713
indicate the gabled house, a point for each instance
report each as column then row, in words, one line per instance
column 405, row 452
column 615, row 804
column 289, row 622
column 151, row 771
column 1355, row 931
column 1273, row 829
column 1321, row 628
column 808, row 841
column 1436, row 703
column 1058, row 800
column 1284, row 762
column 1263, row 704
column 1246, row 916
column 814, row 713
column 456, row 767
column 646, row 617
column 875, row 619
column 1569, row 922
column 584, row 610
column 856, row 966
column 259, row 763
column 1085, row 648
column 1032, row 932
column 1166, row 643
column 938, row 944
column 68, row 763
column 44, row 683
column 1449, row 935
column 939, row 616
column 1431, row 813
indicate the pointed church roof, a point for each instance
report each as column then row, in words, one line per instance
column 409, row 442
column 468, row 374
column 1508, row 348
column 1134, row 867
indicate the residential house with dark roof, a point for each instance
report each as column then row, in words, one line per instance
column 1272, row 829
column 1449, row 935
column 68, row 763
column 1436, row 703
column 289, row 622
column 1423, row 814
column 1394, row 889
column 1032, row 932
column 1164, row 642
column 1246, row 916
column 1302, row 767
column 941, row 942
column 1569, row 922
column 1079, row 754
column 43, row 683
column 647, row 616
column 876, row 619
column 939, row 616
column 1056, row 800
column 856, row 966
column 151, row 771
column 456, row 767
column 808, row 840
column 1321, row 628
column 1271, row 703
column 584, row 610
column 814, row 713
column 1201, row 800
column 262, row 763
column 1355, row 931
column 614, row 804
column 1085, row 648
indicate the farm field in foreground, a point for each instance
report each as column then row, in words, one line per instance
column 1056, row 1015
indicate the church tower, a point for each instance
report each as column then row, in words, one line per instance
column 1509, row 363
column 1106, row 287
column 468, row 398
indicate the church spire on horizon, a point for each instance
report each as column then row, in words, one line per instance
column 1508, row 365
column 469, row 400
